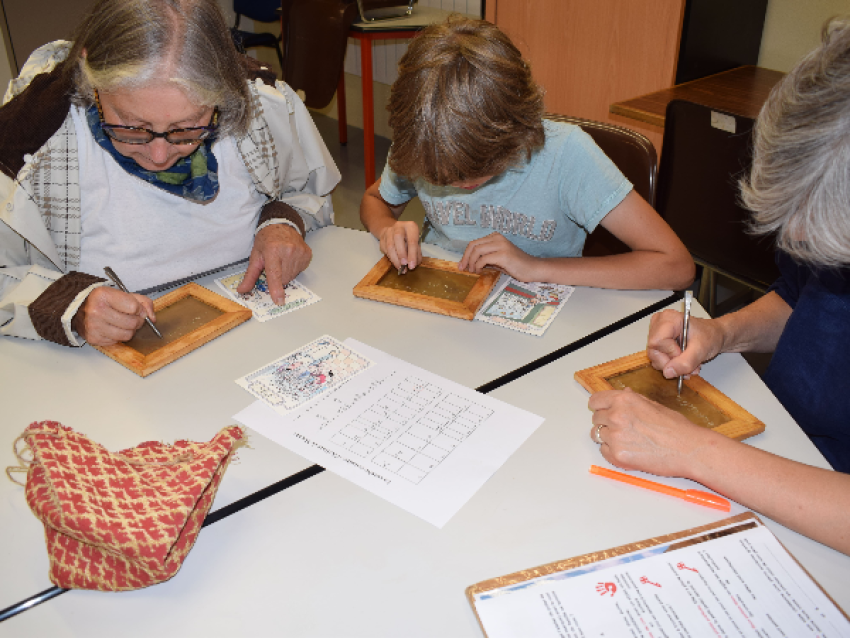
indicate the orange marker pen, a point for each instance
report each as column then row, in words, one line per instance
column 694, row 496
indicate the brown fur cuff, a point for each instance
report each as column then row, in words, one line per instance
column 28, row 120
column 255, row 69
column 47, row 310
column 279, row 210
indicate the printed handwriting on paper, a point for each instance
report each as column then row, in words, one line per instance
column 412, row 428
column 259, row 301
column 526, row 307
column 420, row 441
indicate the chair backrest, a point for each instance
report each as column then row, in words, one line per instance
column 636, row 158
column 259, row 10
column 705, row 154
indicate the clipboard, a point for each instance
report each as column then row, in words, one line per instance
column 745, row 519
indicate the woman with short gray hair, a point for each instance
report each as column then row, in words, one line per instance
column 799, row 189
column 148, row 144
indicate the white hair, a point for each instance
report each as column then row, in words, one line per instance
column 799, row 187
column 134, row 43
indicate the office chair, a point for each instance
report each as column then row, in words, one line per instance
column 636, row 158
column 705, row 153
column 259, row 11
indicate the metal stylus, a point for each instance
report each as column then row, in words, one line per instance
column 685, row 324
column 111, row 274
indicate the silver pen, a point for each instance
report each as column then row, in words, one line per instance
column 688, row 298
column 111, row 274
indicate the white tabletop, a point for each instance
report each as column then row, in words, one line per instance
column 196, row 396
column 326, row 558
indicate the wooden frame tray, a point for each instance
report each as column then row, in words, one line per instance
column 215, row 315
column 699, row 402
column 371, row 287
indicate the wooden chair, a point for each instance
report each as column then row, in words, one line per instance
column 636, row 158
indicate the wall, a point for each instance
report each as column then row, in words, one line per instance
column 5, row 66
column 385, row 56
column 792, row 28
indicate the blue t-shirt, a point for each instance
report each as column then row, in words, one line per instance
column 546, row 206
column 808, row 372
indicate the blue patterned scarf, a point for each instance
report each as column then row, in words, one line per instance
column 194, row 177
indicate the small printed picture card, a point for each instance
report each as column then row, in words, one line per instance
column 525, row 307
column 305, row 374
column 259, row 300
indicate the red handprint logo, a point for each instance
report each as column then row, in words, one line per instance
column 646, row 581
column 604, row 588
column 683, row 566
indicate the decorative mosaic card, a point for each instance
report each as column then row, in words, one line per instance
column 525, row 307
column 259, row 300
column 305, row 374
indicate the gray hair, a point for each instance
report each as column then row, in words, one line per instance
column 800, row 182
column 131, row 43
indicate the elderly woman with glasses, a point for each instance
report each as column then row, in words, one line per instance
column 150, row 145
column 799, row 189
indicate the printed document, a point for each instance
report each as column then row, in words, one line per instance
column 422, row 442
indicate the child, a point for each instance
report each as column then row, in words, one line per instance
column 501, row 184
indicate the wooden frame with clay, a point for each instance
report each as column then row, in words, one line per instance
column 229, row 314
column 741, row 424
column 368, row 288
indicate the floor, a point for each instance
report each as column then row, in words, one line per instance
column 349, row 160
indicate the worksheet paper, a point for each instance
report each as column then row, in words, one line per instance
column 740, row 584
column 422, row 442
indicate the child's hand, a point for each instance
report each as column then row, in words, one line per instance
column 497, row 251
column 400, row 242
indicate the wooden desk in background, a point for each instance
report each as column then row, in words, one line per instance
column 366, row 32
column 741, row 91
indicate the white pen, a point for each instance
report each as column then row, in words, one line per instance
column 688, row 298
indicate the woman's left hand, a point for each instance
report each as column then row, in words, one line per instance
column 281, row 251
column 639, row 434
column 497, row 251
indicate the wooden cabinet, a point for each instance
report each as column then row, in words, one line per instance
column 588, row 54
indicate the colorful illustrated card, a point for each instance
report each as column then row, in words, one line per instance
column 525, row 307
column 259, row 300
column 305, row 374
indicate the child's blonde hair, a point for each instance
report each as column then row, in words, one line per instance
column 464, row 105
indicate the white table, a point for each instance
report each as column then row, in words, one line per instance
column 196, row 396
column 329, row 559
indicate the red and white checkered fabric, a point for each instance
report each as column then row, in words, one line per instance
column 125, row 520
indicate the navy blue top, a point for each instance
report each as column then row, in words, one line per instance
column 810, row 370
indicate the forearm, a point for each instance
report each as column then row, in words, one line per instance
column 376, row 218
column 810, row 500
column 376, row 214
column 635, row 270
column 755, row 328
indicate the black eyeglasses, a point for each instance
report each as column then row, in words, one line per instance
column 137, row 135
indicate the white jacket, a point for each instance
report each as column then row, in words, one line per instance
column 40, row 209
